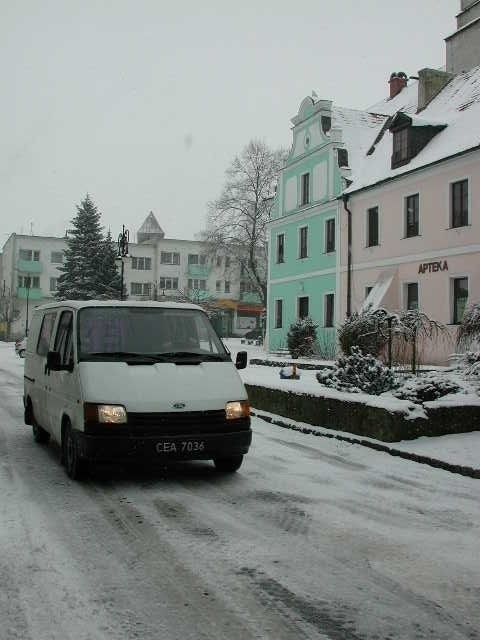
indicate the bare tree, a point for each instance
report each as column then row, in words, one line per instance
column 236, row 221
column 8, row 311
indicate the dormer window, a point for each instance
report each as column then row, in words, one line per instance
column 411, row 134
column 400, row 148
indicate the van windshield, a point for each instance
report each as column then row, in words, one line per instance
column 151, row 333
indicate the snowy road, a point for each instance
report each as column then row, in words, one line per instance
column 313, row 538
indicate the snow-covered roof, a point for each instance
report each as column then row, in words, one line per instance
column 81, row 304
column 358, row 129
column 406, row 101
column 150, row 227
column 457, row 106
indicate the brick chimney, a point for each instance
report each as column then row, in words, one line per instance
column 397, row 82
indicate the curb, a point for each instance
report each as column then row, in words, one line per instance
column 469, row 472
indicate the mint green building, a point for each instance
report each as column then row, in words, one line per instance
column 304, row 231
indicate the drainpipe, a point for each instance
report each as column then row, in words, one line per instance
column 349, row 255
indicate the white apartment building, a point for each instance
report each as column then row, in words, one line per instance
column 157, row 268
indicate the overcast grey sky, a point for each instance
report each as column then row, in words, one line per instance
column 144, row 103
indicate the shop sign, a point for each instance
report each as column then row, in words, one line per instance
column 440, row 265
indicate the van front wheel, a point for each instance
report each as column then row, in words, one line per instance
column 74, row 463
column 228, row 465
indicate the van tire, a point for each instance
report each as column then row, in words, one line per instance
column 74, row 463
column 39, row 434
column 228, row 465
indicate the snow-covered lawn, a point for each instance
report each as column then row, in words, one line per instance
column 461, row 449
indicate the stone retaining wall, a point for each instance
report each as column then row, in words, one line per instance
column 362, row 419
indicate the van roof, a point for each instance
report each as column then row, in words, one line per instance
column 80, row 304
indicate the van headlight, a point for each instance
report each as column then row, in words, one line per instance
column 237, row 409
column 105, row 413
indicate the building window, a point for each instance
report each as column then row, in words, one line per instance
column 460, row 296
column 367, row 291
column 372, row 227
column 227, row 261
column 412, row 296
column 303, row 242
column 193, row 258
column 227, row 286
column 140, row 288
column 412, row 216
column 53, row 284
column 281, row 247
column 459, row 204
column 167, row 257
column 219, row 261
column 56, row 257
column 29, row 255
column 218, row 285
column 400, row 148
column 330, row 235
column 305, row 188
column 195, row 283
column 329, row 309
column 29, row 282
column 303, row 307
column 278, row 314
column 168, row 283
column 142, row 264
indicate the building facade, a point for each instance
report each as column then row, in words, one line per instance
column 157, row 268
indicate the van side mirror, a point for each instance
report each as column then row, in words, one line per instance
column 241, row 361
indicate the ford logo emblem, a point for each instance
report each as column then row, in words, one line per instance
column 178, row 405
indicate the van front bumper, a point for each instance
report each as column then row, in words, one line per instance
column 162, row 447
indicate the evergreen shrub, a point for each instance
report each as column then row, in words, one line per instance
column 358, row 372
column 301, row 338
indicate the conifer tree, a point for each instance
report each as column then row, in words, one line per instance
column 88, row 271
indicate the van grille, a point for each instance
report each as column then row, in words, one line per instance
column 191, row 422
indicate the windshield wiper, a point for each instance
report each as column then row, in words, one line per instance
column 127, row 355
column 191, row 354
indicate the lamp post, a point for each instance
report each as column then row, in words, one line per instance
column 28, row 296
column 122, row 253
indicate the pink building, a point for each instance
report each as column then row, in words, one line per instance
column 411, row 226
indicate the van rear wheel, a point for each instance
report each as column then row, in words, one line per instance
column 228, row 465
column 74, row 463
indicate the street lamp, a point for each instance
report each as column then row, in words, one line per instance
column 122, row 253
column 27, row 282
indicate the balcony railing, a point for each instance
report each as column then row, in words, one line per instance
column 29, row 266
column 33, row 293
column 250, row 296
column 198, row 270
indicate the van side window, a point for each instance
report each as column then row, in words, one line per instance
column 63, row 339
column 46, row 333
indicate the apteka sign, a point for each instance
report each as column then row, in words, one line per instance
column 439, row 265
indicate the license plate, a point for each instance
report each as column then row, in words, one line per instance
column 180, row 446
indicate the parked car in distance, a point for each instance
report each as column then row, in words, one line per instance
column 20, row 347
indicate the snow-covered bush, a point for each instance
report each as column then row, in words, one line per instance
column 469, row 329
column 357, row 373
column 301, row 338
column 470, row 363
column 366, row 330
column 427, row 387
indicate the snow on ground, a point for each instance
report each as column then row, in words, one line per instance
column 462, row 449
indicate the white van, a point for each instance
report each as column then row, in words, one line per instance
column 128, row 381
